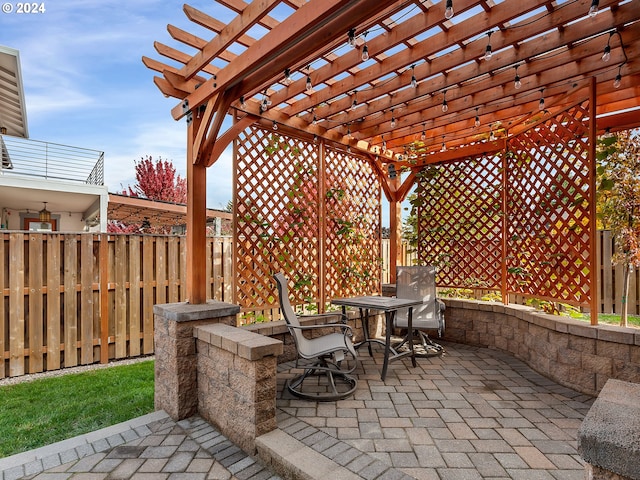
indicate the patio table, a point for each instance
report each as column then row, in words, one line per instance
column 389, row 305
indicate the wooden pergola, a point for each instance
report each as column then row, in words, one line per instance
column 405, row 83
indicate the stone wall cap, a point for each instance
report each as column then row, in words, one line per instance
column 186, row 312
column 248, row 345
column 609, row 436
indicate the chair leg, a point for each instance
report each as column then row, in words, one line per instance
column 429, row 347
column 338, row 384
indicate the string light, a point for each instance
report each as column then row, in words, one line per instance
column 423, row 137
column 488, row 52
column 243, row 105
column 593, row 9
column 477, row 122
column 384, row 144
column 606, row 56
column 492, row 136
column 275, row 125
column 351, row 38
column 264, row 105
column 315, row 120
column 414, row 80
column 618, row 81
column 354, row 104
column 393, row 120
column 315, row 138
column 444, row 145
column 287, row 77
column 541, row 103
column 365, row 53
column 448, row 11
column 516, row 81
column 309, row 85
column 445, row 106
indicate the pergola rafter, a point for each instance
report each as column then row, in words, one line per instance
column 554, row 48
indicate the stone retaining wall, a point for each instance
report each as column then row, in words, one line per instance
column 571, row 352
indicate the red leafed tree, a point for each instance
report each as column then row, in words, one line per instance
column 157, row 180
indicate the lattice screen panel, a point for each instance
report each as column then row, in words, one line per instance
column 548, row 249
column 460, row 222
column 276, row 207
column 352, row 226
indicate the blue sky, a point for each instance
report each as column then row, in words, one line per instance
column 85, row 84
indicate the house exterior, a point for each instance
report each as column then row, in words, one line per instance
column 44, row 186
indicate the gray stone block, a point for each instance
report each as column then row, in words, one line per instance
column 609, row 436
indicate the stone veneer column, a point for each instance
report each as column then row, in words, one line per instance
column 175, row 351
column 237, row 382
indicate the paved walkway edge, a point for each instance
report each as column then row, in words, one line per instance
column 49, row 456
column 292, row 459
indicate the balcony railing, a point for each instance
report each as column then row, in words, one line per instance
column 33, row 158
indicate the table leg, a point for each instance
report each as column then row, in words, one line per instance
column 387, row 344
column 365, row 329
column 410, row 326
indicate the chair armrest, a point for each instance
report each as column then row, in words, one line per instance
column 441, row 304
column 332, row 325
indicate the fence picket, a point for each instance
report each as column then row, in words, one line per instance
column 36, row 318
column 3, row 348
column 148, row 297
column 173, row 275
column 16, row 305
column 70, row 301
column 54, row 281
column 86, row 326
column 121, row 272
column 134, row 296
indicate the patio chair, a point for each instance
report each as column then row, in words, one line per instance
column 323, row 355
column 419, row 282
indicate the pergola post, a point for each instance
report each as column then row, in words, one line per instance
column 196, row 221
column 593, row 254
column 395, row 234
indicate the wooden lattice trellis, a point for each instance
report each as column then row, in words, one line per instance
column 352, row 227
column 460, row 222
column 548, row 239
column 464, row 214
column 294, row 215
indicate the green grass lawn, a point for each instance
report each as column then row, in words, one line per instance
column 613, row 319
column 51, row 409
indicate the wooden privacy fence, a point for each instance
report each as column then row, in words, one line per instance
column 67, row 299
column 71, row 299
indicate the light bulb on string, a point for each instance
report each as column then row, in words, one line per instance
column 315, row 138
column 393, row 120
column 606, row 56
column 444, row 145
column 309, row 85
column 351, row 38
column 488, row 52
column 275, row 125
column 477, row 121
column 243, row 105
column 423, row 136
column 287, row 77
column 315, row 120
column 492, row 135
column 445, row 105
column 541, row 103
column 365, row 53
column 593, row 9
column 414, row 80
column 448, row 11
column 618, row 80
column 516, row 81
